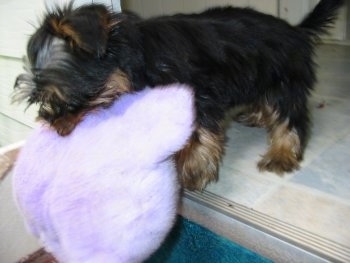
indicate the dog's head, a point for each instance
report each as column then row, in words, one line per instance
column 67, row 69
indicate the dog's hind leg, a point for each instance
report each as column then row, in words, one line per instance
column 284, row 152
column 253, row 115
column 287, row 138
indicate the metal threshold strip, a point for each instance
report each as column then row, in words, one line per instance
column 304, row 239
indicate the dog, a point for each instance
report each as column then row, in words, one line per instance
column 82, row 59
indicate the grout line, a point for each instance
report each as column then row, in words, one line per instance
column 268, row 193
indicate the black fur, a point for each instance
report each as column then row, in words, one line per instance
column 230, row 56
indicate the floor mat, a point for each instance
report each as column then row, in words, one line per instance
column 187, row 242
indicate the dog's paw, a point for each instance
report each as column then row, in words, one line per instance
column 279, row 164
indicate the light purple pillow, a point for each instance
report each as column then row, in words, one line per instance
column 108, row 192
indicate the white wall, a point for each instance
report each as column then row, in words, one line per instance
column 290, row 10
column 155, row 7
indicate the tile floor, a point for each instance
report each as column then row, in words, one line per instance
column 317, row 197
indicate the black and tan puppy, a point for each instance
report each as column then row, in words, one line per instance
column 83, row 58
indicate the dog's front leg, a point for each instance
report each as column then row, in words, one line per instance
column 198, row 162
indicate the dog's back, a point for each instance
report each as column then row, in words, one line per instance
column 232, row 55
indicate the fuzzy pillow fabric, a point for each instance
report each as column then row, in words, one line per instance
column 109, row 191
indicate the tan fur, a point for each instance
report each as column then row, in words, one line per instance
column 198, row 162
column 66, row 30
column 117, row 84
column 51, row 91
column 284, row 153
column 65, row 125
column 258, row 115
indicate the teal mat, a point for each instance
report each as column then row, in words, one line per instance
column 189, row 242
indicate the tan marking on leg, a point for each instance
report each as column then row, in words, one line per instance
column 198, row 162
column 284, row 153
column 260, row 115
column 117, row 84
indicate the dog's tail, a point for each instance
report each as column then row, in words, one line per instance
column 321, row 18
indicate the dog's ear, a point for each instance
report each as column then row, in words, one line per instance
column 86, row 27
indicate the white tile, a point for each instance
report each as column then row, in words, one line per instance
column 240, row 187
column 309, row 210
